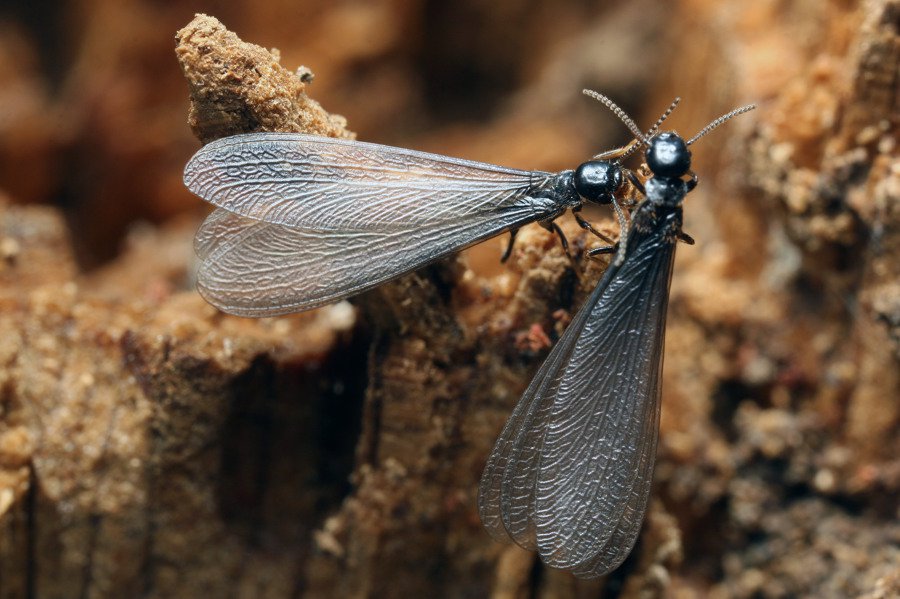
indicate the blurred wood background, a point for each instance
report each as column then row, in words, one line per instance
column 152, row 447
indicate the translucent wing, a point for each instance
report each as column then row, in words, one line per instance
column 326, row 184
column 514, row 462
column 255, row 268
column 570, row 474
column 307, row 220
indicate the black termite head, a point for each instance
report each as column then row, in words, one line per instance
column 668, row 155
column 597, row 180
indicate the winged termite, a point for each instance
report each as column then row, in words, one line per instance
column 303, row 221
column 569, row 476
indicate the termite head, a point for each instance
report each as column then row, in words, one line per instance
column 597, row 180
column 668, row 155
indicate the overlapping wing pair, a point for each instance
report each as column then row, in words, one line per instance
column 303, row 221
column 570, row 475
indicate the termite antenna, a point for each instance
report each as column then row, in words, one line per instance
column 719, row 121
column 664, row 116
column 654, row 128
column 618, row 112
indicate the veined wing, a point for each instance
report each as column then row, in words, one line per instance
column 218, row 227
column 327, row 184
column 506, row 491
column 570, row 475
column 256, row 268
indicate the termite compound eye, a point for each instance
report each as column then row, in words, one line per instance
column 597, row 180
column 668, row 155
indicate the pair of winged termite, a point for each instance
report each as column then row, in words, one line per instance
column 302, row 221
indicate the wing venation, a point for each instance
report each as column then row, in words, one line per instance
column 570, row 474
column 337, row 185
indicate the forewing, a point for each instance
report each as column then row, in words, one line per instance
column 256, row 268
column 306, row 220
column 327, row 184
column 506, row 491
column 596, row 396
column 219, row 226
column 597, row 457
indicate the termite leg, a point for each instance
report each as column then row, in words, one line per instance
column 554, row 228
column 588, row 226
column 637, row 182
column 608, row 249
column 685, row 238
column 509, row 247
column 692, row 183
